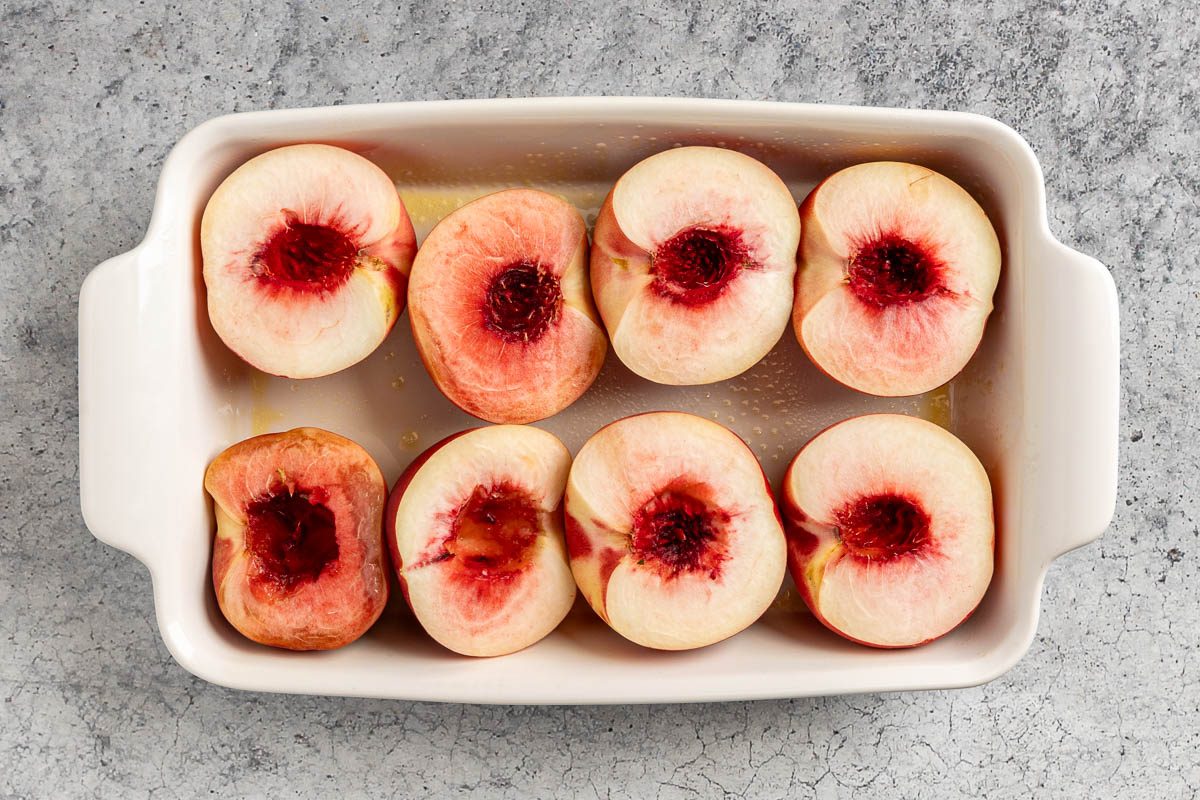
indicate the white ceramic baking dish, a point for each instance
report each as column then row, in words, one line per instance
column 160, row 395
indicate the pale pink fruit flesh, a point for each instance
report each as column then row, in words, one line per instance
column 672, row 530
column 476, row 534
column 890, row 529
column 898, row 265
column 306, row 251
column 298, row 554
column 500, row 307
column 693, row 263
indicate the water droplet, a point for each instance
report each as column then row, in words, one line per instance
column 410, row 439
column 398, row 383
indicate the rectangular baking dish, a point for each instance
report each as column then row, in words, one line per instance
column 160, row 395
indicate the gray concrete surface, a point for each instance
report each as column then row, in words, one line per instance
column 92, row 96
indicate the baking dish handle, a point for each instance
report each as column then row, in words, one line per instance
column 1075, row 389
column 114, row 461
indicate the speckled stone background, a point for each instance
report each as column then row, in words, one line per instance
column 93, row 95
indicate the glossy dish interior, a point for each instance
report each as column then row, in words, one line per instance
column 161, row 396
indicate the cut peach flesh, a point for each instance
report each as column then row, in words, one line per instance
column 890, row 529
column 306, row 254
column 898, row 265
column 500, row 307
column 298, row 555
column 637, row 490
column 476, row 536
column 291, row 535
column 693, row 263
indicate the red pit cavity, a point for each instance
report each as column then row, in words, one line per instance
column 305, row 257
column 292, row 536
column 893, row 270
column 695, row 265
column 677, row 532
column 494, row 532
column 522, row 303
column 883, row 527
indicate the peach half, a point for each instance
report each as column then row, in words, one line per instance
column 500, row 307
column 898, row 265
column 890, row 530
column 476, row 536
column 298, row 555
column 693, row 261
column 672, row 530
column 306, row 255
